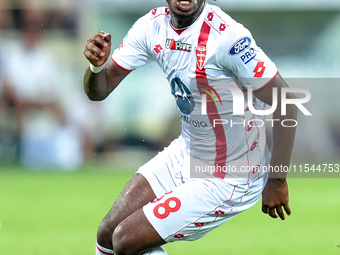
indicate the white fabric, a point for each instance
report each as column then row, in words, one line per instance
column 213, row 52
column 96, row 69
column 195, row 205
column 231, row 57
column 154, row 251
column 100, row 250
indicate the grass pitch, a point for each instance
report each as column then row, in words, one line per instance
column 58, row 213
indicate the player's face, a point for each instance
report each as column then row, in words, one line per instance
column 185, row 12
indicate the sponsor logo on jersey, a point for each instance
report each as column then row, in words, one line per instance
column 240, row 46
column 201, row 53
column 177, row 45
column 210, row 94
column 182, row 94
column 178, row 236
column 248, row 56
column 158, row 48
column 193, row 122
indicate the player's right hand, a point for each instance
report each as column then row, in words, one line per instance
column 98, row 48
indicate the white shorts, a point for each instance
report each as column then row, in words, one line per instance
column 188, row 208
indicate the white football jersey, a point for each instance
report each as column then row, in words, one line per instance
column 209, row 66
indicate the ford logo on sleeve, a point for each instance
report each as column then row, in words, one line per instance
column 240, row 46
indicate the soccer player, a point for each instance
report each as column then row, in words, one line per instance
column 198, row 47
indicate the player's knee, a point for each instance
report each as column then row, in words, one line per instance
column 122, row 242
column 104, row 234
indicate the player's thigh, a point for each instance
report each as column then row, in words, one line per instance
column 135, row 234
column 152, row 179
column 158, row 176
column 134, row 196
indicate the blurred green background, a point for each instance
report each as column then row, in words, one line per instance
column 58, row 213
column 64, row 159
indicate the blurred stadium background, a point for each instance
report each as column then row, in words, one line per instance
column 48, row 124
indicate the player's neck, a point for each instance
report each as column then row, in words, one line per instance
column 182, row 21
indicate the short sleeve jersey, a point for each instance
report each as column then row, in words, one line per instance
column 214, row 50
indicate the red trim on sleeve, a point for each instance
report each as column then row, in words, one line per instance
column 121, row 66
column 267, row 82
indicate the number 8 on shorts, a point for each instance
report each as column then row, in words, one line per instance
column 170, row 205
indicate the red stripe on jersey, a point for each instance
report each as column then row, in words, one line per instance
column 202, row 81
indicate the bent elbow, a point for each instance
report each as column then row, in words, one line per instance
column 95, row 96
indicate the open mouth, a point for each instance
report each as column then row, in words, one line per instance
column 185, row 5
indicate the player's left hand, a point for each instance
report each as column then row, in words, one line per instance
column 275, row 198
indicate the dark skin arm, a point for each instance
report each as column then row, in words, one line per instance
column 275, row 199
column 98, row 86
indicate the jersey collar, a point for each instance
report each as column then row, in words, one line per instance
column 201, row 17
